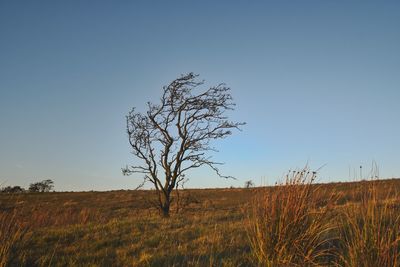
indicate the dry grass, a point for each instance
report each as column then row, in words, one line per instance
column 295, row 223
column 121, row 229
column 287, row 226
column 12, row 233
column 370, row 230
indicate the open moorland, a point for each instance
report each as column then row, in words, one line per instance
column 294, row 224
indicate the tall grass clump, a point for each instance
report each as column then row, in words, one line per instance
column 11, row 233
column 287, row 225
column 370, row 230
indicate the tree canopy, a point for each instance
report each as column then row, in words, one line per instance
column 175, row 135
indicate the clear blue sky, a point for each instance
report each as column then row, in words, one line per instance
column 316, row 81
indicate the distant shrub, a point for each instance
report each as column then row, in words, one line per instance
column 12, row 189
column 43, row 186
column 248, row 184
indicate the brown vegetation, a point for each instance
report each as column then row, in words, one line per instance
column 370, row 229
column 288, row 226
column 293, row 224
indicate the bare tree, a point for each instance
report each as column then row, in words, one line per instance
column 175, row 136
column 249, row 184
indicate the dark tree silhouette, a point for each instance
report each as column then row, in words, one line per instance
column 43, row 186
column 12, row 189
column 175, row 136
column 249, row 184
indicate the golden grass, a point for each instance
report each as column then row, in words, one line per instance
column 296, row 223
column 370, row 230
column 11, row 234
column 287, row 227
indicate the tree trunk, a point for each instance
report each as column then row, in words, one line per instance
column 165, row 205
column 165, row 209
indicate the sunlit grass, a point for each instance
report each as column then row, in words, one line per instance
column 12, row 234
column 370, row 230
column 295, row 223
column 287, row 226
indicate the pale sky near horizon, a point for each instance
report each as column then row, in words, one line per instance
column 316, row 82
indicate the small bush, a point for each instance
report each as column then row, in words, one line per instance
column 12, row 189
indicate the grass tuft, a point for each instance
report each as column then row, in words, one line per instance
column 370, row 230
column 286, row 226
column 11, row 234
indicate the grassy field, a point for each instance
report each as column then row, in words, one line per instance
column 213, row 227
